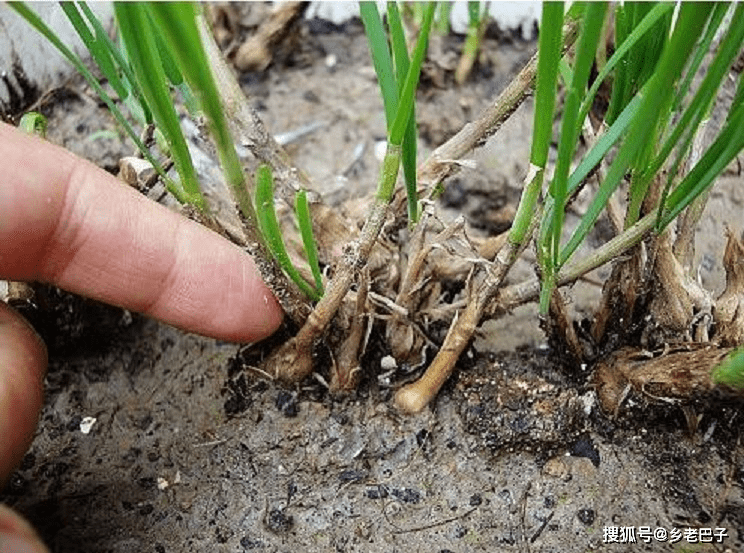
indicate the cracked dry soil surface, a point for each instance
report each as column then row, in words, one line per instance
column 191, row 452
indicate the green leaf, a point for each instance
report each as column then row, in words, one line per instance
column 402, row 63
column 302, row 210
column 724, row 149
column 730, row 372
column 656, row 108
column 648, row 22
column 549, row 56
column 699, row 107
column 570, row 124
column 408, row 91
column 177, row 23
column 35, row 21
column 643, row 52
column 271, row 231
column 603, row 145
column 691, row 19
column 702, row 49
column 381, row 58
column 97, row 48
column 138, row 34
column 570, row 128
column 549, row 49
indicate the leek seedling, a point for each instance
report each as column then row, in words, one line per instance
column 293, row 361
column 138, row 34
column 42, row 28
column 651, row 115
column 398, row 78
column 477, row 20
column 272, row 232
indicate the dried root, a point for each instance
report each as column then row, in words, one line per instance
column 729, row 309
column 678, row 367
column 414, row 397
column 676, row 299
column 255, row 54
column 346, row 372
column 673, row 374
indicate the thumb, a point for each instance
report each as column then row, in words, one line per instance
column 16, row 535
column 23, row 361
column 22, row 364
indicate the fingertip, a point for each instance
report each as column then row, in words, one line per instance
column 270, row 319
column 250, row 312
column 263, row 311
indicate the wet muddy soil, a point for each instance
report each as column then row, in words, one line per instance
column 152, row 439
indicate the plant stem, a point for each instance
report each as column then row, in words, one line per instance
column 517, row 294
column 293, row 361
column 441, row 163
column 248, row 129
column 415, row 396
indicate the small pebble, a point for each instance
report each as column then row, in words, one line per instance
column 388, row 363
column 86, row 425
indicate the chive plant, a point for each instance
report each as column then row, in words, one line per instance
column 660, row 98
column 293, row 361
column 651, row 121
column 398, row 78
column 648, row 118
column 477, row 20
column 653, row 114
column 160, row 52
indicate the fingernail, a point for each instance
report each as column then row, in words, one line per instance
column 12, row 543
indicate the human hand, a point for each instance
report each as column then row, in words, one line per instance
column 66, row 222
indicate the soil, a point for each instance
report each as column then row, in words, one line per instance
column 152, row 439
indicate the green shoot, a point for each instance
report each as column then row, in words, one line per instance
column 726, row 147
column 398, row 78
column 35, row 21
column 545, row 94
column 648, row 22
column 442, row 17
column 702, row 101
column 272, row 232
column 644, row 53
column 381, row 58
column 477, row 20
column 182, row 38
column 730, row 372
column 132, row 94
column 302, row 211
column 570, row 129
column 407, row 95
column 177, row 23
column 97, row 46
column 138, row 34
column 642, row 128
column 34, row 123
column 402, row 63
column 162, row 49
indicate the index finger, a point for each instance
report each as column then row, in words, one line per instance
column 66, row 222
